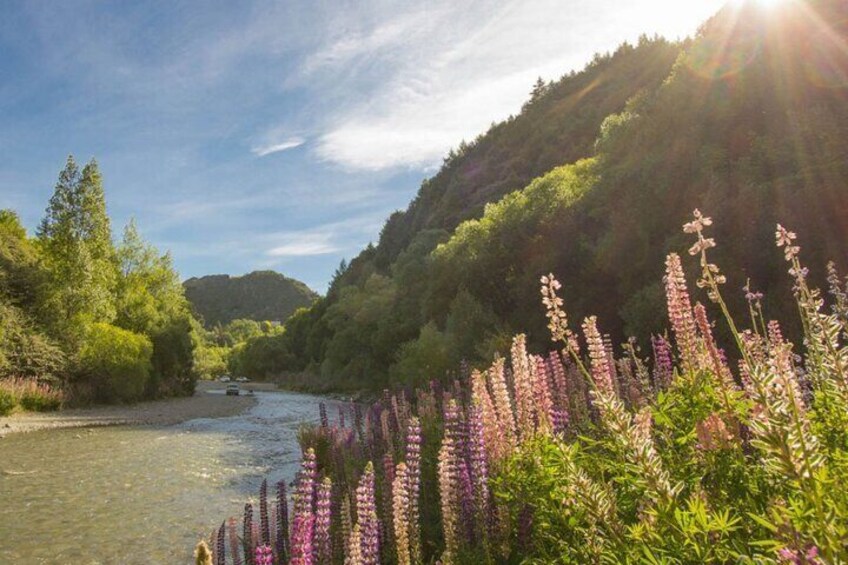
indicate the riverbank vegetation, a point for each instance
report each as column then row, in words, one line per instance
column 591, row 179
column 590, row 452
column 83, row 319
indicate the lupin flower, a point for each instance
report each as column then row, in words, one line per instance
column 220, row 545
column 663, row 367
column 544, row 403
column 525, row 409
column 680, row 311
column 247, row 534
column 557, row 319
column 367, row 525
column 447, row 497
column 712, row 433
column 413, row 477
column 753, row 297
column 400, row 521
column 234, row 541
column 719, row 367
column 322, row 544
column 598, row 357
column 786, row 239
column 303, row 522
column 478, row 466
column 202, row 555
column 481, row 397
column 322, row 411
column 503, row 404
column 264, row 555
column 283, row 545
column 265, row 527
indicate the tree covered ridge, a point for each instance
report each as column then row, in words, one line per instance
column 259, row 296
column 748, row 119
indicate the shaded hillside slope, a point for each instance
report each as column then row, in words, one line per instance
column 260, row 295
column 750, row 124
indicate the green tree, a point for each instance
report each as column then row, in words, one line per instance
column 149, row 293
column 75, row 236
column 116, row 363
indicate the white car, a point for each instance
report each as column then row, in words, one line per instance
column 225, row 379
column 242, row 380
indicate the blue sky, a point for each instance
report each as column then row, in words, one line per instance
column 277, row 135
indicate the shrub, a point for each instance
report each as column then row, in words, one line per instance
column 7, row 401
column 30, row 394
column 172, row 361
column 117, row 363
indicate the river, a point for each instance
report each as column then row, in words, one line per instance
column 141, row 495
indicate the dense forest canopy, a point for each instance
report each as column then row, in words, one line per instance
column 747, row 121
column 259, row 296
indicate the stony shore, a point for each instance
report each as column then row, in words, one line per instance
column 208, row 401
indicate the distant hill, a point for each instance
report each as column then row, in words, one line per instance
column 260, row 295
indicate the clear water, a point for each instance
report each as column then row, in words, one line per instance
column 141, row 495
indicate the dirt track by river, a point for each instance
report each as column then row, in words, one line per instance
column 208, row 402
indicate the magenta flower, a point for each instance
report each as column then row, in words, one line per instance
column 264, row 555
column 323, row 546
column 303, row 522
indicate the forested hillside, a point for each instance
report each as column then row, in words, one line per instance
column 747, row 121
column 84, row 319
column 259, row 296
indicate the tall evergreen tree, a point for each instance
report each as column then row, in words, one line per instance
column 76, row 238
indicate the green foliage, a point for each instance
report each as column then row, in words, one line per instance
column 260, row 357
column 76, row 240
column 173, row 360
column 428, row 357
column 261, row 295
column 149, row 294
column 116, row 362
column 7, row 402
column 64, row 296
column 210, row 361
column 29, row 394
column 25, row 351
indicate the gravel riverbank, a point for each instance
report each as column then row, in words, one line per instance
column 208, row 401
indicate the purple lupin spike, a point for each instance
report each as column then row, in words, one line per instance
column 247, row 534
column 303, row 523
column 323, row 548
column 366, row 515
column 220, row 546
column 264, row 555
column 265, row 528
column 325, row 420
column 662, row 362
column 413, row 477
column 283, row 546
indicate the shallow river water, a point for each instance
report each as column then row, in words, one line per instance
column 141, row 495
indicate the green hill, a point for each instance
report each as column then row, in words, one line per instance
column 260, row 295
column 746, row 121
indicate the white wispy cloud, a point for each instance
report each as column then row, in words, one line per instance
column 448, row 71
column 332, row 237
column 291, row 143
column 304, row 245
